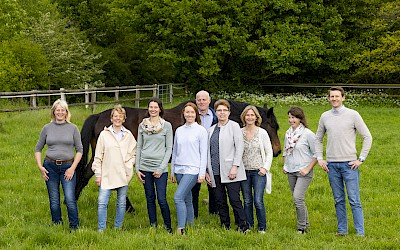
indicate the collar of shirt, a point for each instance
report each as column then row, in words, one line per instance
column 119, row 134
column 207, row 119
column 338, row 111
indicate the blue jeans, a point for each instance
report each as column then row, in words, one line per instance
column 104, row 196
column 183, row 199
column 257, row 183
column 340, row 174
column 151, row 186
column 56, row 176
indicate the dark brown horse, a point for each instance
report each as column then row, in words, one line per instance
column 95, row 123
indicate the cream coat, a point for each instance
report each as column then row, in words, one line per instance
column 231, row 148
column 113, row 159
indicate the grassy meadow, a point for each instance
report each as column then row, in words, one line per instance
column 25, row 221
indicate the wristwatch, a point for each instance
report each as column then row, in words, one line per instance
column 359, row 159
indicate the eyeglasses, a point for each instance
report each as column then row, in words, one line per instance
column 222, row 110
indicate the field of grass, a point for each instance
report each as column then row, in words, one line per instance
column 25, row 221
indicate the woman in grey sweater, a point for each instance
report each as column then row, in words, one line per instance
column 154, row 148
column 61, row 137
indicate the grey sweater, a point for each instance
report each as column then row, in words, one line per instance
column 341, row 128
column 61, row 140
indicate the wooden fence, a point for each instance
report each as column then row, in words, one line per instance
column 163, row 91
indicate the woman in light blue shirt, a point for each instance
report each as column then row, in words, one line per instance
column 189, row 161
column 299, row 160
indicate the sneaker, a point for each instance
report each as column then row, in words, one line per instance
column 180, row 231
column 301, row 231
column 262, row 231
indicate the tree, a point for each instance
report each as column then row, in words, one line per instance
column 72, row 63
column 381, row 62
column 23, row 66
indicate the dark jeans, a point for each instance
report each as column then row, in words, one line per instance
column 151, row 186
column 212, row 204
column 233, row 190
column 56, row 176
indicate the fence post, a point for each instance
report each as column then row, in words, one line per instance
column 33, row 99
column 116, row 93
column 171, row 93
column 93, row 101
column 86, row 96
column 155, row 91
column 137, row 97
column 62, row 94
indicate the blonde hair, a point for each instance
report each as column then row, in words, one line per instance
column 255, row 110
column 119, row 109
column 63, row 104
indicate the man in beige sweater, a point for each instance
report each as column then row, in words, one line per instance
column 341, row 125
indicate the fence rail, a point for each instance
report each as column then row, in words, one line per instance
column 163, row 91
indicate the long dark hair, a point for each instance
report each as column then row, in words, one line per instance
column 298, row 113
column 158, row 101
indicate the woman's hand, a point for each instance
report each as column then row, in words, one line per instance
column 233, row 172
column 208, row 179
column 157, row 175
column 172, row 178
column 44, row 173
column 305, row 171
column 200, row 179
column 140, row 175
column 98, row 181
column 262, row 171
column 69, row 173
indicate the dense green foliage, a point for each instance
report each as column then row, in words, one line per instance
column 214, row 44
column 25, row 221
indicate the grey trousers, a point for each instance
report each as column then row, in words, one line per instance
column 298, row 186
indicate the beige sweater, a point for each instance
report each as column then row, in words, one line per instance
column 114, row 160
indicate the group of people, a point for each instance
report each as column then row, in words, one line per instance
column 211, row 148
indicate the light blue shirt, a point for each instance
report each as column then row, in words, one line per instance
column 207, row 119
column 302, row 154
column 189, row 154
column 118, row 135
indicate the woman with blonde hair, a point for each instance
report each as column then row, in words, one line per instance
column 63, row 139
column 257, row 160
column 113, row 166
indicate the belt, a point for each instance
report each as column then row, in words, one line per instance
column 59, row 162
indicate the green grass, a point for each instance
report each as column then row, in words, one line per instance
column 25, row 221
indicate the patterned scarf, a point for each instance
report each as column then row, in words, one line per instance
column 292, row 137
column 149, row 128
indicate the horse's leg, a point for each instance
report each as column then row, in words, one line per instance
column 129, row 207
column 84, row 179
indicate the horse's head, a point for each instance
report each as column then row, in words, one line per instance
column 270, row 124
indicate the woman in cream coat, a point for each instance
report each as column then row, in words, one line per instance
column 225, row 167
column 113, row 166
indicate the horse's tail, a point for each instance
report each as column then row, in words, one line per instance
column 87, row 134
